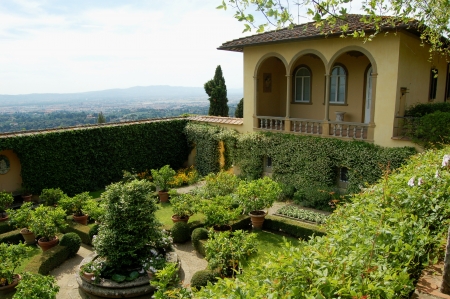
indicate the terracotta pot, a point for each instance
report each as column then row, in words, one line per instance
column 28, row 236
column 47, row 245
column 150, row 274
column 257, row 218
column 176, row 218
column 163, row 196
column 222, row 228
column 81, row 219
column 88, row 276
column 3, row 218
column 27, row 198
column 10, row 287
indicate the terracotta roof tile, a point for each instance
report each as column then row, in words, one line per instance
column 309, row 30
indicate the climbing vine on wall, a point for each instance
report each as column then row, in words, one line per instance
column 88, row 159
column 206, row 139
column 301, row 160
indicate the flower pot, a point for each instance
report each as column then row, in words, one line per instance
column 176, row 218
column 88, row 276
column 222, row 228
column 163, row 196
column 47, row 245
column 81, row 219
column 10, row 287
column 150, row 274
column 257, row 218
column 28, row 236
column 27, row 198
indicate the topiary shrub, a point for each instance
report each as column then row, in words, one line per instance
column 201, row 278
column 72, row 241
column 180, row 232
column 198, row 234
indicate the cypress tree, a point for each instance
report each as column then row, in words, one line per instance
column 240, row 109
column 101, row 118
column 217, row 92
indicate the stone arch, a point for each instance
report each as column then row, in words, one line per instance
column 349, row 49
column 303, row 53
column 265, row 57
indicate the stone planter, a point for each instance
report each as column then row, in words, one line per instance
column 28, row 236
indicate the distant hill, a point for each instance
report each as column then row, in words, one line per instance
column 149, row 93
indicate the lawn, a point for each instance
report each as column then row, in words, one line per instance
column 164, row 215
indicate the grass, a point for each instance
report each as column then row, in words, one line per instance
column 164, row 215
column 96, row 194
column 35, row 250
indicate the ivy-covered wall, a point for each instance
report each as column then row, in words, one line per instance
column 300, row 160
column 88, row 159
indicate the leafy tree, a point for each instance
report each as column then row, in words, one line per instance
column 101, row 118
column 217, row 92
column 430, row 17
column 240, row 109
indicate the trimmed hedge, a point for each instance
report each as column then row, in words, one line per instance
column 81, row 230
column 48, row 260
column 294, row 228
column 5, row 227
column 13, row 237
column 77, row 160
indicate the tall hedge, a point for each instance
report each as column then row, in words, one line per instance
column 301, row 160
column 91, row 158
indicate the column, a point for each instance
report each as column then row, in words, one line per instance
column 325, row 124
column 287, row 121
column 371, row 129
column 255, row 98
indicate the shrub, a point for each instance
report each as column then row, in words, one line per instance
column 315, row 196
column 293, row 228
column 6, row 199
column 77, row 204
column 183, row 205
column 258, row 194
column 11, row 256
column 129, row 224
column 202, row 277
column 431, row 130
column 163, row 176
column 13, row 237
column 185, row 176
column 72, row 241
column 422, row 109
column 52, row 196
column 180, row 232
column 47, row 221
column 198, row 234
column 219, row 184
column 93, row 231
column 239, row 112
column 36, row 286
column 20, row 218
column 81, row 230
column 219, row 211
column 48, row 260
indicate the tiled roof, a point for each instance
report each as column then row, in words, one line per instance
column 218, row 119
column 309, row 30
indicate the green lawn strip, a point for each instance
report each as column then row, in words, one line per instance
column 35, row 250
column 164, row 215
column 96, row 194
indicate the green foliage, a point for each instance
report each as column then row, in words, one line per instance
column 422, row 109
column 90, row 159
column 376, row 244
column 6, row 199
column 198, row 234
column 183, row 205
column 48, row 260
column 302, row 214
column 77, row 204
column 47, row 221
column 225, row 251
column 129, row 224
column 165, row 279
column 293, row 228
column 180, row 232
column 163, row 176
column 93, row 231
column 430, row 130
column 239, row 109
column 72, row 241
column 219, row 184
column 315, row 196
column 201, row 278
column 258, row 194
column 206, row 140
column 5, row 227
column 52, row 196
column 219, row 211
column 83, row 231
column 101, row 118
column 34, row 286
column 11, row 257
column 20, row 218
column 299, row 161
column 217, row 92
column 94, row 209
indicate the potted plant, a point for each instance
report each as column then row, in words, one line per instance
column 46, row 222
column 183, row 206
column 226, row 251
column 52, row 196
column 20, row 219
column 11, row 257
column 95, row 210
column 162, row 178
column 6, row 199
column 153, row 264
column 219, row 212
column 91, row 270
column 256, row 195
column 36, row 286
column 77, row 206
column 25, row 192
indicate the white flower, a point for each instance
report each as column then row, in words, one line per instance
column 420, row 182
column 446, row 160
column 154, row 252
column 411, row 182
column 437, row 174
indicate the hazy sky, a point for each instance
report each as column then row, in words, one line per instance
column 82, row 45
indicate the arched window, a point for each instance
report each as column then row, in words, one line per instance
column 302, row 85
column 338, row 85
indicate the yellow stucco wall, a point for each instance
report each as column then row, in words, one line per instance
column 11, row 181
column 399, row 61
